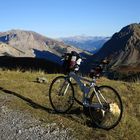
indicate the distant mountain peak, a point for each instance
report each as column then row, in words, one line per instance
column 83, row 38
column 88, row 43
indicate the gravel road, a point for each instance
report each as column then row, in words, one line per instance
column 17, row 125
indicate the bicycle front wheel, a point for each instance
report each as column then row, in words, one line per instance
column 61, row 94
column 107, row 112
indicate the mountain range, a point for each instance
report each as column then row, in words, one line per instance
column 122, row 49
column 21, row 43
column 88, row 43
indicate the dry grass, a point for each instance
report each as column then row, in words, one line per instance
column 32, row 97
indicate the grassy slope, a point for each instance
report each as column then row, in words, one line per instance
column 32, row 97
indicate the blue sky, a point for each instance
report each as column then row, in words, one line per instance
column 62, row 18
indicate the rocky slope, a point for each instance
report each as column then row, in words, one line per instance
column 30, row 44
column 123, row 49
column 7, row 50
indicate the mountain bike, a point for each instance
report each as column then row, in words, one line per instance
column 104, row 103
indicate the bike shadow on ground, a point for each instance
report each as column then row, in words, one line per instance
column 27, row 100
column 74, row 114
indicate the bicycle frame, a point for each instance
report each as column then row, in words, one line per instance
column 83, row 87
column 85, row 90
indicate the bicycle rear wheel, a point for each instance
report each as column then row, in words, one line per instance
column 109, row 114
column 61, row 94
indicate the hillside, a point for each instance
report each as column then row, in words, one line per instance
column 26, row 107
column 32, row 44
column 88, row 43
column 123, row 49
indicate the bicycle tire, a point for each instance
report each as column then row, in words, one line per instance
column 112, row 108
column 56, row 105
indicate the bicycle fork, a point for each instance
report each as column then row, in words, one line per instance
column 66, row 86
